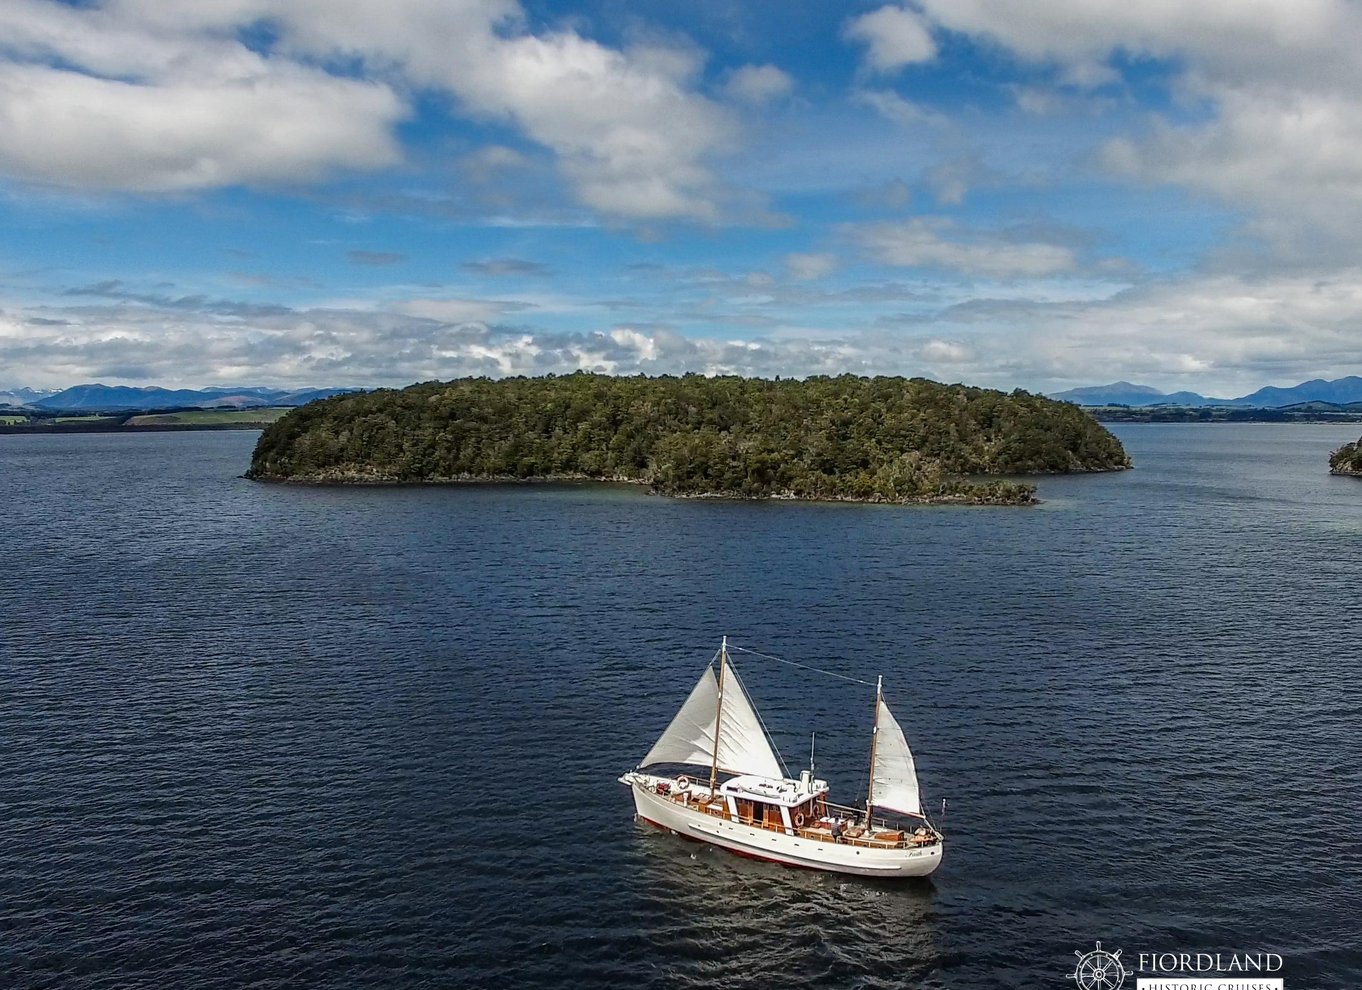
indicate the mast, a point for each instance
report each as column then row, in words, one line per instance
column 718, row 716
column 874, row 731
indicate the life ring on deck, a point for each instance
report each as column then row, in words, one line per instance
column 799, row 819
column 683, row 783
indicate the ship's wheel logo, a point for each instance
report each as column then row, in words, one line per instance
column 1099, row 970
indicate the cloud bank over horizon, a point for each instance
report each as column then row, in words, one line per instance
column 346, row 192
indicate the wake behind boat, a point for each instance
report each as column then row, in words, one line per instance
column 760, row 812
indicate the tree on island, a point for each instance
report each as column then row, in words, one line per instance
column 872, row 439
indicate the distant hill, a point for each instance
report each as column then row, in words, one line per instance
column 113, row 398
column 1339, row 392
column 1127, row 394
column 1115, row 394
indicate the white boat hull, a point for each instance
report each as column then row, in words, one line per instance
column 779, row 847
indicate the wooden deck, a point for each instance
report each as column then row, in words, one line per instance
column 880, row 836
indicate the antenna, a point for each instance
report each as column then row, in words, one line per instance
column 813, row 737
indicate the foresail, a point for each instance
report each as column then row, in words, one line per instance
column 690, row 736
column 742, row 741
column 895, row 775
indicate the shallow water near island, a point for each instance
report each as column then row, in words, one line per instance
column 280, row 736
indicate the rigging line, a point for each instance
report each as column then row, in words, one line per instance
column 802, row 666
column 756, row 711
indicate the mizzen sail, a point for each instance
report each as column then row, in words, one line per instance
column 894, row 776
column 690, row 736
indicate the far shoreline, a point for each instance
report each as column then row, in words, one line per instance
column 49, row 429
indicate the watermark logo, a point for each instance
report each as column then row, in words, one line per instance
column 1102, row 969
column 1099, row 970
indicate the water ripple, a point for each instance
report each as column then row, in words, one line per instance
column 284, row 737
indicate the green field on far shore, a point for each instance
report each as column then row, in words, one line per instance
column 210, row 417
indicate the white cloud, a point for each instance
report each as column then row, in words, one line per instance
column 1222, row 335
column 947, row 352
column 632, row 141
column 894, row 37
column 935, row 243
column 952, row 180
column 757, row 85
column 627, row 127
column 459, row 310
column 895, row 108
column 1298, row 155
column 138, row 112
column 1230, row 35
column 1266, row 115
column 808, row 267
column 488, row 162
column 148, row 96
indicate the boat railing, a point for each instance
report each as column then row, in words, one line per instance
column 813, row 830
column 858, row 814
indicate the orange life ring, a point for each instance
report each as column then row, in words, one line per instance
column 799, row 819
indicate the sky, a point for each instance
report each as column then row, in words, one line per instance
column 353, row 192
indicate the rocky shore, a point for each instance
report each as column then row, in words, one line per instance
column 1347, row 460
column 961, row 493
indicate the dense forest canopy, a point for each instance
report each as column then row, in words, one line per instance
column 1347, row 459
column 884, row 439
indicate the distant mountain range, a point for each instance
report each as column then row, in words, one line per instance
column 115, row 398
column 1339, row 392
column 118, row 398
column 23, row 396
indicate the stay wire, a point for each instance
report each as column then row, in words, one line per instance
column 756, row 711
column 801, row 666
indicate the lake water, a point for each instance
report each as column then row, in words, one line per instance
column 258, row 736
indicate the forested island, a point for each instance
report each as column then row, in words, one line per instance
column 1347, row 459
column 844, row 438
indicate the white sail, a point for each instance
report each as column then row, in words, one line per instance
column 894, row 780
column 742, row 741
column 690, row 736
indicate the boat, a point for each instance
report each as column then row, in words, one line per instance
column 751, row 806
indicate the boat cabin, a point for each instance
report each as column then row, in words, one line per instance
column 776, row 803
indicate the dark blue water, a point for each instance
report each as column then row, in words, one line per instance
column 257, row 736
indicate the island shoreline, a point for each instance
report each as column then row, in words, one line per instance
column 365, row 480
